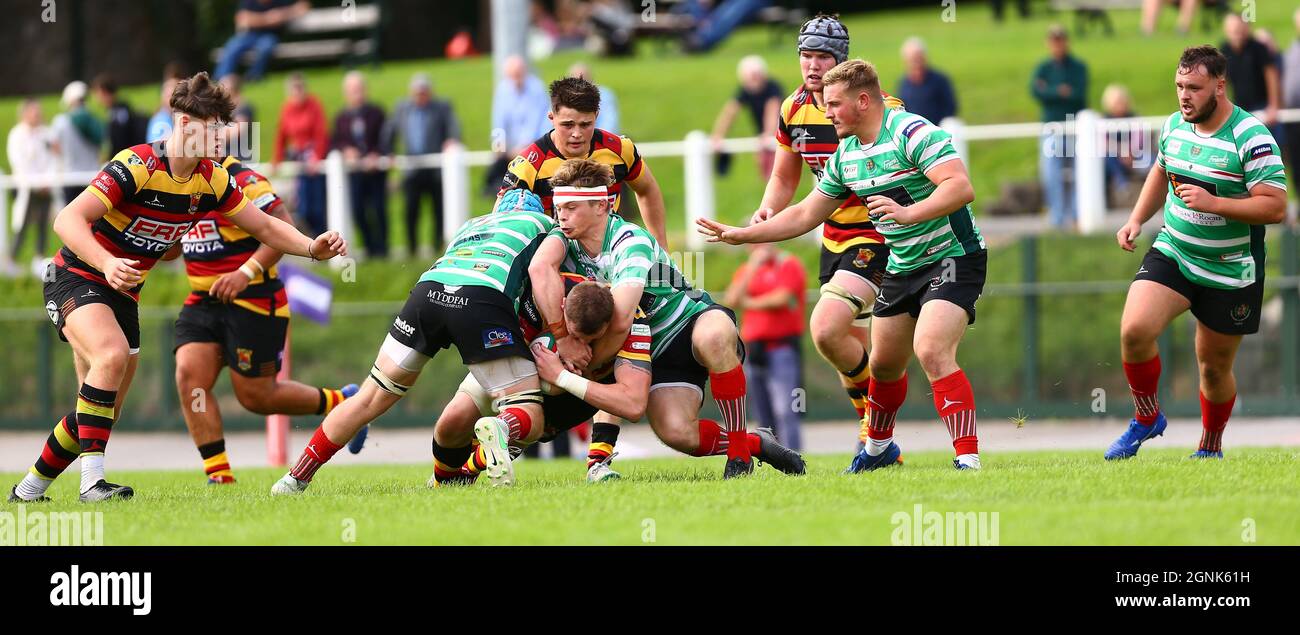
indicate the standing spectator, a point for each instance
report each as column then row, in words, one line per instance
column 1060, row 85
column 126, row 128
column 1252, row 72
column 924, row 90
column 423, row 125
column 302, row 137
column 78, row 137
column 761, row 97
column 30, row 156
column 1291, row 99
column 258, row 26
column 607, row 118
column 239, row 141
column 769, row 289
column 1022, row 6
column 358, row 133
column 160, row 124
column 1151, row 12
column 519, row 107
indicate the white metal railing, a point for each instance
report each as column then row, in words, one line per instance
column 1088, row 129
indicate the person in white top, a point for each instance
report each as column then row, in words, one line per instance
column 31, row 156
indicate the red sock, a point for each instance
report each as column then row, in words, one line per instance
column 714, row 443
column 317, row 453
column 729, row 393
column 1143, row 380
column 518, row 421
column 1214, row 418
column 884, row 398
column 955, row 401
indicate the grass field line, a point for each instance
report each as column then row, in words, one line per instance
column 173, row 451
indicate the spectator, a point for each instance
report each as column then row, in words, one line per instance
column 1266, row 38
column 358, row 133
column 160, row 124
column 761, row 97
column 1022, row 6
column 1151, row 13
column 126, row 128
column 302, row 137
column 1060, row 85
column 1252, row 73
column 423, row 125
column 1291, row 99
column 716, row 19
column 1125, row 149
column 769, row 289
column 925, row 91
column 607, row 118
column 240, row 140
column 78, row 137
column 519, row 107
column 30, row 156
column 258, row 26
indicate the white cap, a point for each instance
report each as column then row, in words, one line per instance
column 74, row 91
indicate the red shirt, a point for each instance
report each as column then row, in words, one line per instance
column 302, row 128
column 782, row 272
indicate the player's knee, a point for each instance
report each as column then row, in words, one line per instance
column 256, row 397
column 715, row 338
column 112, row 361
column 934, row 360
column 1215, row 372
column 1136, row 337
column 680, row 437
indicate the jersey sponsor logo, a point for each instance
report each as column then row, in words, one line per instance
column 1231, row 256
column 640, row 330
column 640, row 346
column 264, row 201
column 103, row 182
column 119, row 171
column 851, row 170
column 1182, row 179
column 1261, row 151
column 1219, row 160
column 403, row 328
column 1199, row 218
column 203, row 238
column 153, row 235
column 938, row 248
column 912, row 128
column 150, row 164
column 1173, row 147
column 464, row 253
column 495, row 252
column 244, row 357
column 493, row 338
column 481, row 266
column 532, row 156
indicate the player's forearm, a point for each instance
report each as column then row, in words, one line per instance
column 274, row 233
column 654, row 213
column 548, row 292
column 779, row 191
column 949, row 195
column 1263, row 208
column 791, row 222
column 265, row 255
column 1152, row 197
column 618, row 399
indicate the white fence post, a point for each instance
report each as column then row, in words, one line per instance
column 337, row 203
column 1089, row 172
column 698, row 161
column 455, row 191
column 957, row 129
column 6, row 264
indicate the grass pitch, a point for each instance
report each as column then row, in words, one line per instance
column 1041, row 498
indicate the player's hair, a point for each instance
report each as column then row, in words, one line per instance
column 855, row 75
column 590, row 306
column 583, row 173
column 576, row 93
column 200, row 97
column 1216, row 65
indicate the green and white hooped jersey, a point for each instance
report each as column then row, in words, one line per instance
column 493, row 251
column 1211, row 250
column 894, row 166
column 630, row 255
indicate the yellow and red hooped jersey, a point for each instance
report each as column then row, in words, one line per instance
column 215, row 246
column 149, row 209
column 635, row 349
column 533, row 169
column 804, row 130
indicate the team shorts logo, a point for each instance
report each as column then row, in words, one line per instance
column 493, row 338
column 403, row 328
column 244, row 357
column 1240, row 313
column 52, row 309
column 863, row 258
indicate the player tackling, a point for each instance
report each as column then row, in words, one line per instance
column 918, row 192
column 1219, row 179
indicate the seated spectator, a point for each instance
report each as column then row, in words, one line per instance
column 1126, row 149
column 358, row 134
column 422, row 124
column 924, row 90
column 716, row 19
column 760, row 96
column 258, row 26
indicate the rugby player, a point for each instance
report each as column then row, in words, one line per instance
column 916, row 188
column 130, row 215
column 575, row 102
column 1219, row 179
column 853, row 253
column 237, row 315
column 693, row 340
column 467, row 300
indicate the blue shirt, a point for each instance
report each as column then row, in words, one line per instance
column 520, row 114
column 933, row 98
column 607, row 118
column 160, row 126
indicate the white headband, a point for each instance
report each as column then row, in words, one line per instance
column 566, row 194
